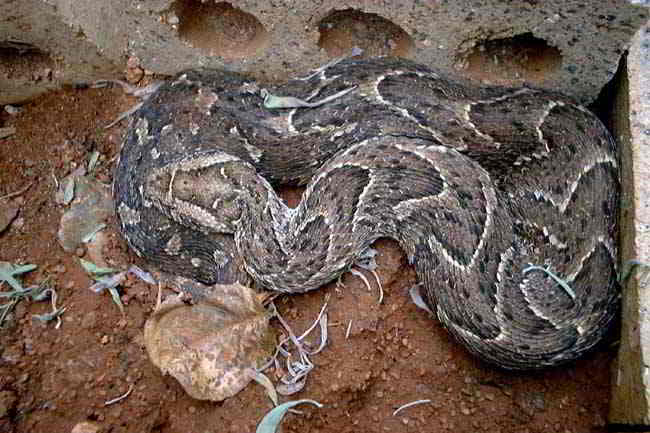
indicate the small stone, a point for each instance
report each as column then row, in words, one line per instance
column 19, row 223
column 134, row 75
column 134, row 72
column 13, row 110
column 23, row 378
column 539, row 402
column 105, row 339
column 133, row 62
column 86, row 427
column 29, row 346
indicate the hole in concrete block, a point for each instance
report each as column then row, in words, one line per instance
column 342, row 30
column 605, row 105
column 25, row 62
column 523, row 57
column 219, row 29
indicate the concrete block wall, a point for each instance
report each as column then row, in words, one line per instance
column 39, row 51
column 630, row 401
column 566, row 45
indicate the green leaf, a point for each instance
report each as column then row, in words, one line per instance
column 261, row 378
column 569, row 291
column 95, row 271
column 49, row 316
column 116, row 298
column 89, row 237
column 68, row 192
column 93, row 161
column 629, row 267
column 8, row 271
column 272, row 420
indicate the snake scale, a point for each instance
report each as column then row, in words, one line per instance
column 475, row 183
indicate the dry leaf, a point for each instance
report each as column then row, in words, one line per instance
column 210, row 347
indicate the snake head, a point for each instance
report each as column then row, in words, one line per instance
column 205, row 190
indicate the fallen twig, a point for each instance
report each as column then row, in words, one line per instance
column 17, row 193
column 120, row 398
column 413, row 403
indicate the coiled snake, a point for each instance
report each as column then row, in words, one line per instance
column 475, row 183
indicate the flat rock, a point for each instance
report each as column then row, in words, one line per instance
column 91, row 206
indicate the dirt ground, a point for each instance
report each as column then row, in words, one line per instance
column 52, row 379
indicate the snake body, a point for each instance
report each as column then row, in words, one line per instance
column 475, row 183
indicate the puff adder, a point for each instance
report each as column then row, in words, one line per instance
column 475, row 183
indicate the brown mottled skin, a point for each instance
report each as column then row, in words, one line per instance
column 475, row 183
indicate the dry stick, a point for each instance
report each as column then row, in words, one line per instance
column 381, row 288
column 19, row 192
column 363, row 277
column 122, row 397
column 413, row 403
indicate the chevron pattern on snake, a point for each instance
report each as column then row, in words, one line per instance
column 475, row 183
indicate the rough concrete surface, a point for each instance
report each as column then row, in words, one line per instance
column 630, row 402
column 39, row 52
column 570, row 46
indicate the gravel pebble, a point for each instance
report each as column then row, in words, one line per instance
column 86, row 427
